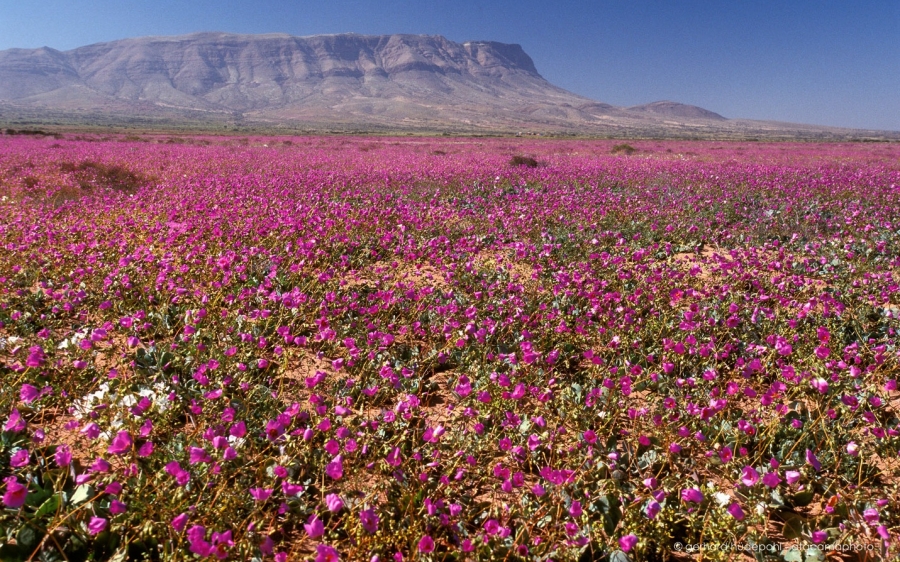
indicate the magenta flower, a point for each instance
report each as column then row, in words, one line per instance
column 813, row 461
column 36, row 357
column 63, row 455
column 749, row 476
column 334, row 503
column 627, row 542
column 653, row 509
column 197, row 542
column 393, row 457
column 314, row 527
column 198, row 455
column 335, row 469
column 692, row 495
column 179, row 522
column 575, row 509
column 426, row 544
column 735, row 511
column 369, row 520
column 97, row 525
column 819, row 536
column 92, row 430
column 326, row 553
column 15, row 423
column 238, row 430
column 15, row 494
column 19, row 458
column 100, row 465
column 771, row 480
column 121, row 443
column 871, row 516
column 29, row 393
column 145, row 450
column 261, row 494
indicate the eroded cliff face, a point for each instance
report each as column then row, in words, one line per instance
column 387, row 82
column 253, row 72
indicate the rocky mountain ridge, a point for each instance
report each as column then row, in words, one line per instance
column 388, row 82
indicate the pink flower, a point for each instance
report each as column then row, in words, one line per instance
column 813, row 461
column 426, row 544
column 29, row 393
column 92, row 430
column 238, row 430
column 196, row 536
column 19, row 458
column 771, row 480
column 627, row 542
column 116, row 507
column 335, row 469
column 819, row 536
column 15, row 493
column 575, row 509
column 749, row 476
column 179, row 522
column 314, row 527
column 393, row 458
column 198, row 455
column 692, row 495
column 15, row 423
column 334, row 503
column 792, row 477
column 261, row 494
column 871, row 516
column 735, row 511
column 369, row 520
column 63, row 456
column 121, row 443
column 326, row 553
column 97, row 525
column 653, row 509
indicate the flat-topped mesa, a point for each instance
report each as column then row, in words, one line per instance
column 241, row 72
column 342, row 82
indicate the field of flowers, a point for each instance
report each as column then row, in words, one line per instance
column 425, row 349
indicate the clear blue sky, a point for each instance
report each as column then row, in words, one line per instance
column 808, row 61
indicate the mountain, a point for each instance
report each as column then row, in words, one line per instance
column 344, row 82
column 675, row 110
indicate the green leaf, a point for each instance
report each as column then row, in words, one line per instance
column 801, row 499
column 49, row 507
column 524, row 427
column 792, row 555
column 38, row 497
column 27, row 537
column 814, row 555
column 11, row 553
column 82, row 493
column 793, row 526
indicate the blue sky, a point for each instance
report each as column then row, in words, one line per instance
column 824, row 62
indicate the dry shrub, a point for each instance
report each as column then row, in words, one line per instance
column 526, row 161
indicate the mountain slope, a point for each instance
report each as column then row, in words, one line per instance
column 391, row 82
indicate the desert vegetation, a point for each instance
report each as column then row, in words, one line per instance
column 338, row 348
